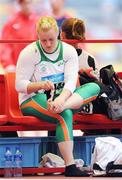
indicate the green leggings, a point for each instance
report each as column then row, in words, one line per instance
column 37, row 106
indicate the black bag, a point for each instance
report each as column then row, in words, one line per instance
column 114, row 99
column 111, row 86
column 110, row 78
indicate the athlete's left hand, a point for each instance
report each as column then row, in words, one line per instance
column 56, row 106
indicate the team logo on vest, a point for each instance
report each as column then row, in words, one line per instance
column 60, row 63
column 43, row 69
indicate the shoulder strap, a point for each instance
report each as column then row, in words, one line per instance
column 91, row 62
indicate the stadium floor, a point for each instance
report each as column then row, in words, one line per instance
column 57, row 177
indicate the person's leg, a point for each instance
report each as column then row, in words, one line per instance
column 66, row 147
column 82, row 95
column 64, row 133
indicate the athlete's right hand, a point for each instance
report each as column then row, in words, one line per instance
column 47, row 85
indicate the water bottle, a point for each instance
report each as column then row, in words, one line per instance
column 8, row 170
column 18, row 163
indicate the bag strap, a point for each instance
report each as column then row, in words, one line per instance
column 106, row 74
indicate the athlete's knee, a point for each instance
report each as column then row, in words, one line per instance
column 67, row 114
column 88, row 90
column 94, row 87
column 64, row 127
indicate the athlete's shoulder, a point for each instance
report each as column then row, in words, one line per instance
column 68, row 46
column 30, row 49
column 69, row 51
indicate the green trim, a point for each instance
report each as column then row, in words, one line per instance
column 38, row 46
column 51, row 52
column 45, row 58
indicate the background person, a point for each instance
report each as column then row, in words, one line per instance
column 58, row 11
column 51, row 65
column 74, row 28
column 20, row 26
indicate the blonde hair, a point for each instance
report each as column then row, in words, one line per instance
column 73, row 28
column 45, row 23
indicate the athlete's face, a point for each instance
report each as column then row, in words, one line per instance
column 26, row 6
column 48, row 40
